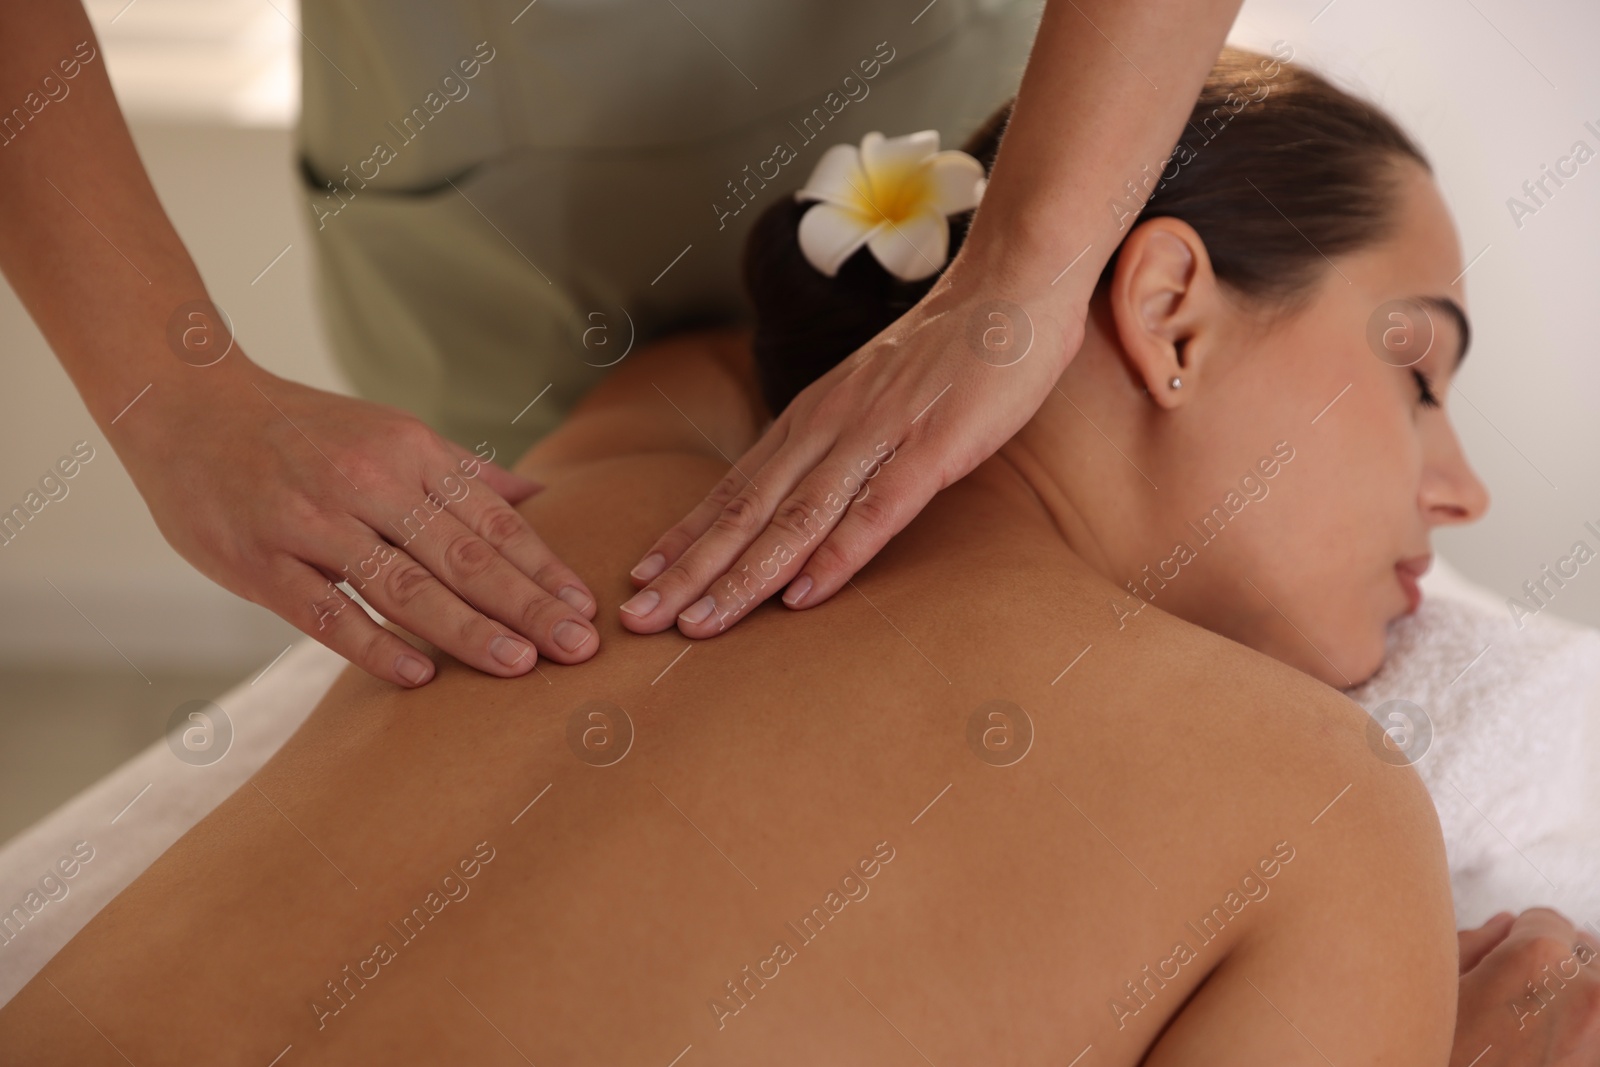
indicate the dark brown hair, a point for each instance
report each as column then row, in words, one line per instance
column 1277, row 168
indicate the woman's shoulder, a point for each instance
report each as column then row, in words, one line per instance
column 1265, row 754
column 1224, row 741
column 1224, row 712
column 1173, row 684
column 1299, row 822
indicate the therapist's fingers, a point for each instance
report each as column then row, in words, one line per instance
column 409, row 594
column 1477, row 943
column 321, row 610
column 474, row 570
column 808, row 520
column 1534, row 998
column 490, row 517
column 706, row 543
column 726, row 499
column 537, row 570
column 829, row 524
column 341, row 486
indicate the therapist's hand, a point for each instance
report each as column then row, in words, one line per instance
column 1090, row 119
column 856, row 455
column 1499, row 1022
column 268, row 487
column 276, row 490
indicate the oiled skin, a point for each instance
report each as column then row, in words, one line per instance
column 1166, row 765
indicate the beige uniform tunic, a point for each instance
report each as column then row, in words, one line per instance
column 505, row 198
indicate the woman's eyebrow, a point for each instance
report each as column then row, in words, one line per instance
column 1450, row 307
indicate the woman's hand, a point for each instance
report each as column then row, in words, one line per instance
column 857, row 455
column 1530, row 993
column 276, row 490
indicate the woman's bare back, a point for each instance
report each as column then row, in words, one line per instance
column 956, row 814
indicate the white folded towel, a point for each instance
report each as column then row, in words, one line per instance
column 1515, row 717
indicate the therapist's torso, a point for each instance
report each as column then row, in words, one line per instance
column 505, row 196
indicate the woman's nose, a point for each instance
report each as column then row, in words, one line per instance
column 1451, row 492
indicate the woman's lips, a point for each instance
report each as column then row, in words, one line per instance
column 1408, row 571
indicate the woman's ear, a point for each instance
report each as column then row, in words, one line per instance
column 1163, row 299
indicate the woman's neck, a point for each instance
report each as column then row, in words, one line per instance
column 1080, row 461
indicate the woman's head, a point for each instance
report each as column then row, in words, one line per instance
column 1246, row 437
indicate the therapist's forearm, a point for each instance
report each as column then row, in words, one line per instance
column 83, row 238
column 1107, row 90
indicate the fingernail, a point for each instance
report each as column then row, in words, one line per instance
column 643, row 602
column 797, row 590
column 574, row 598
column 699, row 611
column 411, row 669
column 649, row 567
column 569, row 635
column 508, row 650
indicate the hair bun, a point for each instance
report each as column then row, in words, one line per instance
column 807, row 322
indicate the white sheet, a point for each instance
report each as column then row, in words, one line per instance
column 125, row 842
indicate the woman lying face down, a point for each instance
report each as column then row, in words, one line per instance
column 982, row 807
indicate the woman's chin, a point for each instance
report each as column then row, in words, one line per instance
column 1343, row 664
column 1361, row 660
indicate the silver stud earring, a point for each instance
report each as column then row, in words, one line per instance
column 1175, row 383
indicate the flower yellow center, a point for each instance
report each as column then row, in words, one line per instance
column 898, row 192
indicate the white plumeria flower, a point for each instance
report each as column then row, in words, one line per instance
column 892, row 195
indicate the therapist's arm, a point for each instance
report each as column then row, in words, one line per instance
column 268, row 487
column 1106, row 92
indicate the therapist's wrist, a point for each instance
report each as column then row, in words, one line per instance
column 1029, row 249
column 158, row 418
column 1030, row 271
column 138, row 341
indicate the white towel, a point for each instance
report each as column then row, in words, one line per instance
column 1515, row 716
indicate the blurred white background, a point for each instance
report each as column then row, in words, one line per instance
column 1491, row 89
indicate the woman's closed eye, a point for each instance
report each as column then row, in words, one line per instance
column 1425, row 390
